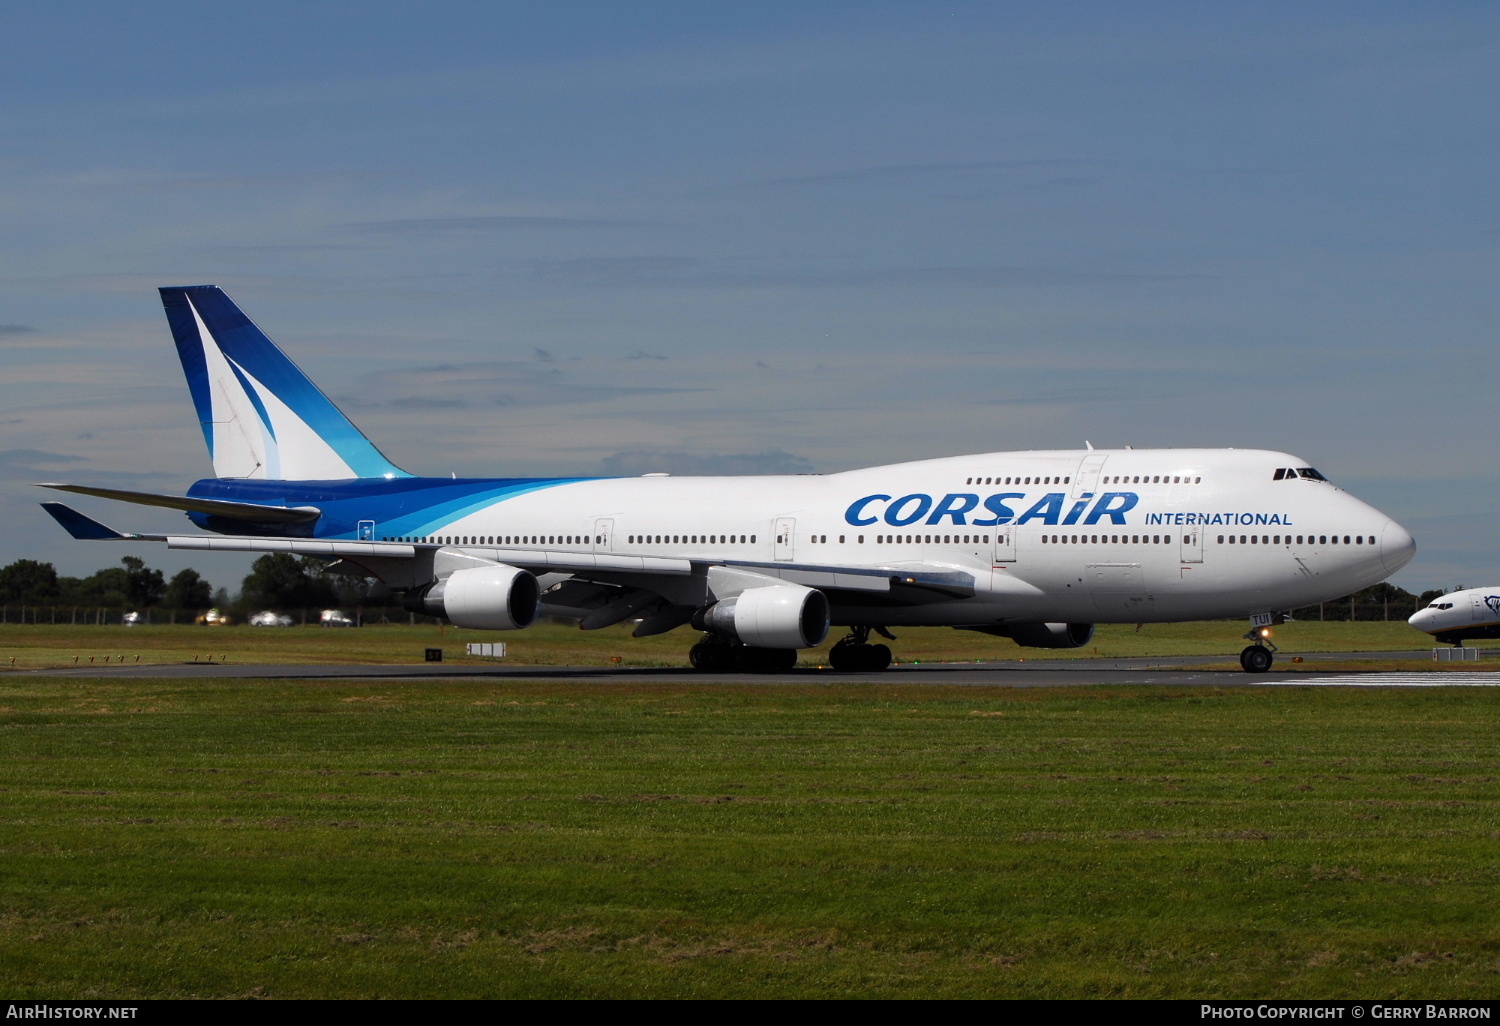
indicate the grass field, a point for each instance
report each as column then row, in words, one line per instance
column 547, row 644
column 492, row 838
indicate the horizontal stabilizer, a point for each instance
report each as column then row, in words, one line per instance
column 81, row 527
column 248, row 511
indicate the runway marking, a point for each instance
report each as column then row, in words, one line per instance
column 1403, row 680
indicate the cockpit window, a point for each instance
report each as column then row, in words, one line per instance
column 1310, row 474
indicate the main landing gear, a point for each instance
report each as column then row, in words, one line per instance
column 854, row 652
column 1257, row 658
column 719, row 654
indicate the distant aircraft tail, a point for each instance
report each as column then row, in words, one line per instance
column 261, row 416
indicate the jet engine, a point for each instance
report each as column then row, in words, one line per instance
column 486, row 598
column 1050, row 635
column 779, row 616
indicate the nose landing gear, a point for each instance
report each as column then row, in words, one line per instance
column 854, row 652
column 1257, row 658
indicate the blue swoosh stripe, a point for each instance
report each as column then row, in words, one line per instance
column 260, row 408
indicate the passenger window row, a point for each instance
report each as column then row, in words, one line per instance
column 1017, row 480
column 1312, row 539
column 690, row 539
column 930, row 539
column 1116, row 479
column 495, row 539
column 1109, row 539
column 1152, row 479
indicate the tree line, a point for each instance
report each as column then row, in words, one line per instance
column 284, row 582
column 1384, row 601
column 276, row 581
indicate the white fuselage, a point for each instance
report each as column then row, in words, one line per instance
column 1077, row 536
column 1470, row 613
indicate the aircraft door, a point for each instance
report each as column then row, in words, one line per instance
column 785, row 535
column 365, row 530
column 604, row 532
column 1481, row 611
column 1005, row 543
column 1087, row 477
column 1192, row 544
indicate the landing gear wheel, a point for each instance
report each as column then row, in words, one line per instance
column 708, row 657
column 1256, row 659
column 858, row 657
column 845, row 655
column 713, row 655
column 854, row 652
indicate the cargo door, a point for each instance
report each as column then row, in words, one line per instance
column 1119, row 591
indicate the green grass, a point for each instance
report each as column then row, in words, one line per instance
column 483, row 838
column 549, row 644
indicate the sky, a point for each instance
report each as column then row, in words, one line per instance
column 586, row 238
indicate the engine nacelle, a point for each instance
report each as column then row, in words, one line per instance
column 485, row 598
column 1050, row 635
column 778, row 616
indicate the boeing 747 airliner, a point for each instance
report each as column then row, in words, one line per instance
column 1035, row 546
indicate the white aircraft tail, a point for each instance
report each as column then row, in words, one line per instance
column 261, row 416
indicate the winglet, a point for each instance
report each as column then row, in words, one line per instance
column 81, row 527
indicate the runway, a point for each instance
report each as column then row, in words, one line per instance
column 1180, row 672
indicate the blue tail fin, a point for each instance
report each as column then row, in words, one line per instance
column 261, row 416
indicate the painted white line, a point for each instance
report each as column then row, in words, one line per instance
column 1399, row 680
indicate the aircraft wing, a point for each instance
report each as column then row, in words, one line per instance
column 249, row 511
column 680, row 581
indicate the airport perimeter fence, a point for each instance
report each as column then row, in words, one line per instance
column 63, row 616
column 1346, row 610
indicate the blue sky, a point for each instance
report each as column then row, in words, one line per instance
column 580, row 238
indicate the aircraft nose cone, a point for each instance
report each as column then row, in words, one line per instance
column 1396, row 546
column 1420, row 619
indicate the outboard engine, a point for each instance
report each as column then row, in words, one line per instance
column 779, row 616
column 1050, row 635
column 485, row 598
